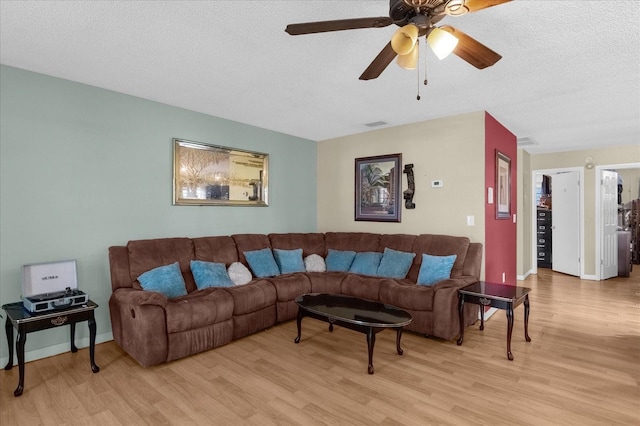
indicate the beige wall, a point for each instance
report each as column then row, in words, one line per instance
column 601, row 157
column 524, row 243
column 450, row 149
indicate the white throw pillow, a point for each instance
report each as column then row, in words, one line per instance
column 314, row 263
column 239, row 274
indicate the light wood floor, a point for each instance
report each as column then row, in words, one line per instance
column 581, row 368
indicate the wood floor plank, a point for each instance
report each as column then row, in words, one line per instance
column 582, row 367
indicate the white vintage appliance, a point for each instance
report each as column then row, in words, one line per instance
column 51, row 285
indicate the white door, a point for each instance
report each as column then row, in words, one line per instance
column 565, row 223
column 609, row 214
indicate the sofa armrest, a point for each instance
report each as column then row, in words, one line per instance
column 455, row 282
column 446, row 315
column 140, row 297
column 139, row 324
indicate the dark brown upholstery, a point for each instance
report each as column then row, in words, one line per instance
column 249, row 242
column 309, row 243
column 216, row 249
column 439, row 245
column 154, row 329
column 354, row 241
column 145, row 255
column 254, row 307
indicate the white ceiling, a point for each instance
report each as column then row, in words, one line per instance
column 569, row 77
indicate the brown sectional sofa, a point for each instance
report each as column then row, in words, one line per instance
column 154, row 329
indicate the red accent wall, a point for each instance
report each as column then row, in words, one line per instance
column 500, row 234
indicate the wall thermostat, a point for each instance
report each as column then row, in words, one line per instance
column 437, row 183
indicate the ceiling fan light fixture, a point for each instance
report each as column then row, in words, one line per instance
column 456, row 8
column 441, row 42
column 410, row 60
column 404, row 39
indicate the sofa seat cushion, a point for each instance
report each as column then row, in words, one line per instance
column 198, row 309
column 406, row 295
column 252, row 297
column 326, row 282
column 290, row 286
column 361, row 286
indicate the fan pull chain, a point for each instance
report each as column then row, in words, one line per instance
column 425, row 70
column 418, row 69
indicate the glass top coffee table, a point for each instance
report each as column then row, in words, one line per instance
column 357, row 314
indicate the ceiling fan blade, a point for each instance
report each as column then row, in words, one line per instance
column 338, row 25
column 471, row 50
column 379, row 64
column 476, row 5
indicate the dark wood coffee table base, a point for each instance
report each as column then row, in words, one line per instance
column 499, row 296
column 370, row 331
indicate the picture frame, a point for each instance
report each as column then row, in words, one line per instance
column 503, row 186
column 213, row 175
column 378, row 186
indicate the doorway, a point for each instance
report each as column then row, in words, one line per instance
column 630, row 190
column 557, row 231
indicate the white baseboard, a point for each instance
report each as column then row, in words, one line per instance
column 589, row 277
column 56, row 349
column 524, row 277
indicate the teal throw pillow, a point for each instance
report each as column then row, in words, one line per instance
column 289, row 261
column 395, row 264
column 338, row 260
column 435, row 268
column 164, row 279
column 262, row 263
column 366, row 263
column 210, row 274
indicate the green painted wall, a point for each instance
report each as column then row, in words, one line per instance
column 83, row 168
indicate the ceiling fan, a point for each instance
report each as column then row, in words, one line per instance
column 416, row 18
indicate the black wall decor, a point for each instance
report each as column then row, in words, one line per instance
column 408, row 194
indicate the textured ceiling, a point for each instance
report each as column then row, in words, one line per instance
column 569, row 77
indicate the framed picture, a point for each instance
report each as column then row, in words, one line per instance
column 377, row 188
column 503, row 186
column 210, row 175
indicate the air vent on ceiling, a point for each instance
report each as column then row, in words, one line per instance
column 376, row 124
column 526, row 141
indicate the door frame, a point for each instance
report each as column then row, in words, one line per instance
column 534, row 215
column 598, row 179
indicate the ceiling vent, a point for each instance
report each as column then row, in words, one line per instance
column 526, row 141
column 376, row 124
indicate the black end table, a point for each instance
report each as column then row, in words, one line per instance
column 499, row 296
column 26, row 322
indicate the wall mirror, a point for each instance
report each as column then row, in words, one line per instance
column 211, row 175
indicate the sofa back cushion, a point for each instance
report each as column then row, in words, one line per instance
column 352, row 241
column 145, row 255
column 439, row 245
column 312, row 243
column 220, row 249
column 399, row 242
column 249, row 242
